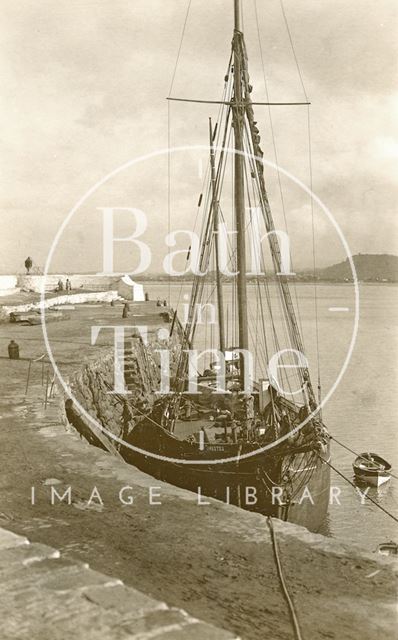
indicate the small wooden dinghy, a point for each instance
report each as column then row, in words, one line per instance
column 369, row 468
column 388, row 548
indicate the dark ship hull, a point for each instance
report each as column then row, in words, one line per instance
column 291, row 483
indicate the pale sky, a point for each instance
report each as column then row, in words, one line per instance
column 83, row 91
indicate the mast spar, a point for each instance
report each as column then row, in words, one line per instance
column 238, row 113
column 215, row 208
column 241, row 106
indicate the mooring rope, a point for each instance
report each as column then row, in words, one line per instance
column 292, row 610
column 355, row 487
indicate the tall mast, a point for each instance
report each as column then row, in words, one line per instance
column 215, row 209
column 238, row 113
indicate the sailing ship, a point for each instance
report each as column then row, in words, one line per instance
column 235, row 435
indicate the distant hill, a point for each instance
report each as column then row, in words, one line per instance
column 369, row 268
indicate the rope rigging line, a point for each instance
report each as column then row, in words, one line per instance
column 169, row 135
column 276, row 161
column 180, row 47
column 257, row 192
column 169, row 185
column 289, row 315
column 255, row 185
column 254, row 339
column 314, row 255
column 311, row 189
column 293, row 50
column 268, row 296
column 252, row 184
column 206, row 239
column 207, row 189
column 355, row 487
column 307, row 475
column 282, row 581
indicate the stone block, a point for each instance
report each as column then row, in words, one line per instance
column 8, row 539
column 26, row 554
column 79, row 579
column 54, row 564
column 154, row 622
column 20, row 575
column 123, row 600
column 197, row 631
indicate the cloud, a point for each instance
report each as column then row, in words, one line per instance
column 84, row 87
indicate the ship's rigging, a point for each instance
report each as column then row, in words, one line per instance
column 222, row 434
column 236, row 134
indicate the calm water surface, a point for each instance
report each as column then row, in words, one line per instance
column 362, row 411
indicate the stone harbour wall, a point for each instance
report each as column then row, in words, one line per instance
column 8, row 284
column 72, row 298
column 93, row 386
column 78, row 281
column 44, row 595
